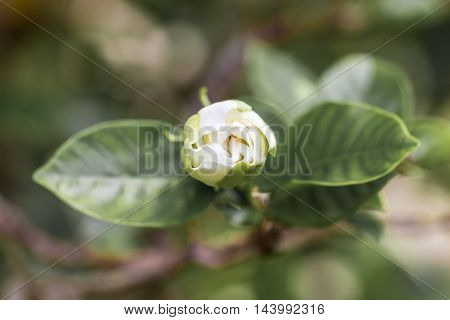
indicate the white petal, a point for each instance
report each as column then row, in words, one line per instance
column 212, row 117
column 191, row 129
column 209, row 173
column 215, row 116
column 258, row 122
column 209, row 163
column 259, row 145
column 240, row 151
column 213, row 153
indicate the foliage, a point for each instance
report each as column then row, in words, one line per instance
column 97, row 172
column 355, row 91
column 351, row 151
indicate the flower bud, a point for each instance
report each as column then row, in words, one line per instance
column 226, row 143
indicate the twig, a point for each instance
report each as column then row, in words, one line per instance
column 15, row 227
column 154, row 265
column 147, row 267
column 222, row 72
column 414, row 224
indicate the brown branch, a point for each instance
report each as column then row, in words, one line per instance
column 14, row 226
column 154, row 265
column 418, row 224
column 221, row 74
column 221, row 257
column 147, row 267
column 256, row 245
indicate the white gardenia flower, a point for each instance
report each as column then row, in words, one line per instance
column 225, row 143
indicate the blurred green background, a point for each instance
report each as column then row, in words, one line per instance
column 53, row 83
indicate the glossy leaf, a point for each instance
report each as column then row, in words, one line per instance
column 348, row 144
column 434, row 136
column 319, row 206
column 366, row 222
column 375, row 203
column 369, row 80
column 267, row 111
column 278, row 78
column 125, row 172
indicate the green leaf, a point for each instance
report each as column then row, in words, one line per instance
column 318, row 206
column 366, row 222
column 375, row 203
column 434, row 136
column 125, row 172
column 369, row 80
column 277, row 78
column 267, row 111
column 348, row 144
